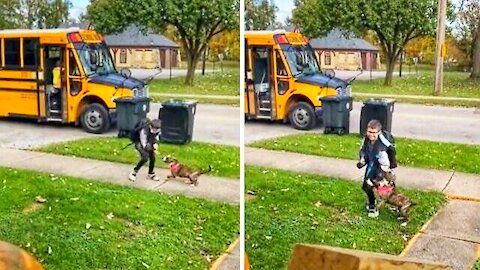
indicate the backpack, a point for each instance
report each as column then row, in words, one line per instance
column 388, row 140
column 134, row 135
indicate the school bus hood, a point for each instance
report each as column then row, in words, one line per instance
column 116, row 79
column 322, row 80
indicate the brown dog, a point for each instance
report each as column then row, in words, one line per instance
column 179, row 170
column 387, row 194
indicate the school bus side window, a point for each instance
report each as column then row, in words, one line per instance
column 12, row 52
column 281, row 70
column 74, row 71
column 30, row 53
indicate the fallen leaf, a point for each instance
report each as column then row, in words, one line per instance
column 318, row 204
column 285, row 189
column 354, row 246
column 146, row 265
column 88, row 226
column 110, row 215
column 74, row 199
column 268, row 237
column 49, row 250
column 40, row 199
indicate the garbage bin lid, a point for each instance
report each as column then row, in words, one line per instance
column 379, row 101
column 178, row 102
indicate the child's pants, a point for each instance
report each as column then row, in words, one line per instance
column 144, row 156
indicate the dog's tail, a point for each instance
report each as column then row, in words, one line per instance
column 208, row 170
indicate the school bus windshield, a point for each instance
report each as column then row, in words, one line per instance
column 104, row 64
column 301, row 59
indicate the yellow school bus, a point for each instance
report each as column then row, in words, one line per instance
column 283, row 79
column 88, row 81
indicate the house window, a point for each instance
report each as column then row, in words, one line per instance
column 12, row 52
column 328, row 59
column 123, row 56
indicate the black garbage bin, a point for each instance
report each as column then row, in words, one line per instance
column 177, row 121
column 336, row 114
column 130, row 111
column 377, row 108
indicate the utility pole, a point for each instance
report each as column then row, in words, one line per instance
column 440, row 51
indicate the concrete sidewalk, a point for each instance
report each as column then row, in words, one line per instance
column 210, row 188
column 452, row 237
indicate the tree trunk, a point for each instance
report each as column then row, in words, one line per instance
column 476, row 56
column 390, row 67
column 192, row 60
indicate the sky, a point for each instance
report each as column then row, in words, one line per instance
column 78, row 6
column 285, row 8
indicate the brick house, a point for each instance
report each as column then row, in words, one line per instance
column 337, row 51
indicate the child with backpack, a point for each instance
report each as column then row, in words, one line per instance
column 377, row 152
column 145, row 137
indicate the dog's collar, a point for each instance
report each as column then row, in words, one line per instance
column 174, row 167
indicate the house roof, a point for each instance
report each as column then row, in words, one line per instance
column 337, row 40
column 131, row 36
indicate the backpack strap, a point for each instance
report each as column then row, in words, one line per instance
column 384, row 140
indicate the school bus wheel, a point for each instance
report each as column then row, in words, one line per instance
column 302, row 116
column 95, row 118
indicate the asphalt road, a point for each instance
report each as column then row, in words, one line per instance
column 435, row 123
column 213, row 124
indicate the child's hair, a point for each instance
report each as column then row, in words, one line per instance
column 155, row 123
column 57, row 63
column 374, row 124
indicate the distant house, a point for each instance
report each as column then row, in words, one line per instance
column 337, row 51
column 133, row 49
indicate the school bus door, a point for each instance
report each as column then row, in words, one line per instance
column 55, row 101
column 250, row 97
column 281, row 85
column 263, row 87
column 74, row 81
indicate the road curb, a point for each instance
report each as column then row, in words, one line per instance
column 216, row 264
column 462, row 198
column 412, row 241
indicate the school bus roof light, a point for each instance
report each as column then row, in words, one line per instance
column 281, row 39
column 305, row 39
column 74, row 37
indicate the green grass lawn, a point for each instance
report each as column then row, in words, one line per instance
column 73, row 228
column 225, row 160
column 428, row 102
column 293, row 208
column 456, row 84
column 410, row 152
column 226, row 83
column 477, row 265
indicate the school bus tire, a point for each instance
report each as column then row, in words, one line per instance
column 302, row 116
column 95, row 118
